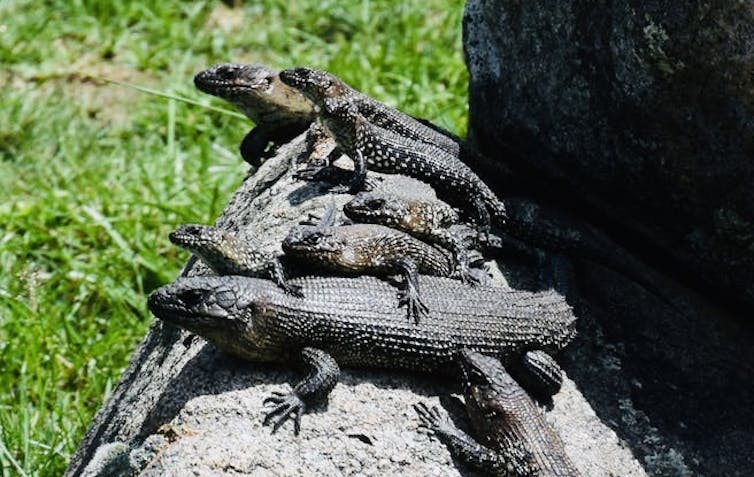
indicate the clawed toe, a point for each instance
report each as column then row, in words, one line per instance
column 309, row 174
column 285, row 405
column 429, row 417
column 415, row 308
column 294, row 290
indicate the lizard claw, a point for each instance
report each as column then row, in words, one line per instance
column 341, row 189
column 464, row 274
column 293, row 290
column 414, row 305
column 430, row 418
column 310, row 173
column 473, row 277
column 285, row 405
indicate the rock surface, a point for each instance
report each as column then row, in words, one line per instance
column 638, row 113
column 184, row 408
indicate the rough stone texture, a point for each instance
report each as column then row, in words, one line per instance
column 184, row 408
column 640, row 113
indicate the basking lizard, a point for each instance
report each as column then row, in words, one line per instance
column 385, row 151
column 279, row 112
column 424, row 218
column 225, row 254
column 516, row 441
column 316, row 85
column 375, row 250
column 356, row 322
column 387, row 140
column 434, row 221
column 427, row 219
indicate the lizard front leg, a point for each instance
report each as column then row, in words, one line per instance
column 538, row 373
column 467, row 449
column 316, row 386
column 253, row 146
column 357, row 181
column 410, row 296
column 278, row 275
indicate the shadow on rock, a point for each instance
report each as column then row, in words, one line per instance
column 677, row 387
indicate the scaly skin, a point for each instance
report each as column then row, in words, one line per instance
column 221, row 250
column 423, row 218
column 356, row 322
column 374, row 250
column 534, row 225
column 386, row 140
column 385, row 151
column 317, row 85
column 279, row 112
column 516, row 439
column 430, row 220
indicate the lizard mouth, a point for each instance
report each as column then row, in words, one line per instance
column 191, row 236
column 189, row 307
column 184, row 235
column 220, row 87
column 229, row 78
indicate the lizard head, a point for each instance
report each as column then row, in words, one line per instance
column 218, row 248
column 377, row 207
column 316, row 85
column 487, row 385
column 198, row 238
column 253, row 89
column 224, row 310
column 303, row 241
column 231, row 81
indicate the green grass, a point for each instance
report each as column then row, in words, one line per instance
column 93, row 175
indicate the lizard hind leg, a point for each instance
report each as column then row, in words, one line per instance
column 481, row 214
column 410, row 295
column 538, row 373
column 253, row 146
column 278, row 274
column 322, row 378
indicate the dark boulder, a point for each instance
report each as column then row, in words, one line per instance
column 639, row 114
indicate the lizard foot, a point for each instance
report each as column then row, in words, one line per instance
column 431, row 419
column 315, row 173
column 293, row 290
column 341, row 180
column 466, row 274
column 285, row 405
column 414, row 305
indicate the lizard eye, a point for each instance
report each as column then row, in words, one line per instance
column 476, row 377
column 191, row 298
column 226, row 298
column 265, row 83
column 313, row 238
column 376, row 204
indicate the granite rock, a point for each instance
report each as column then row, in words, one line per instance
column 184, row 408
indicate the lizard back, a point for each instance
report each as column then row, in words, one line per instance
column 358, row 321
